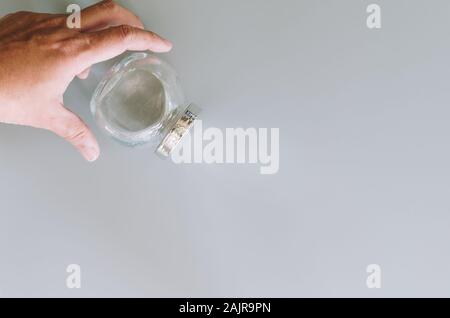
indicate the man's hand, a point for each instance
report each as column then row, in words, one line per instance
column 40, row 56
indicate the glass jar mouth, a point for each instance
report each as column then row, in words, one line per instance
column 138, row 67
column 125, row 135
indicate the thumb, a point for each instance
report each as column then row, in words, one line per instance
column 70, row 127
column 85, row 74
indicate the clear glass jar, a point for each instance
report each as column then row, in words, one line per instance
column 140, row 102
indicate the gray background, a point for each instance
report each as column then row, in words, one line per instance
column 364, row 172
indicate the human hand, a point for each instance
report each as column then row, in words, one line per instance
column 40, row 56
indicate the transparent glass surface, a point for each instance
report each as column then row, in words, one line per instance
column 138, row 100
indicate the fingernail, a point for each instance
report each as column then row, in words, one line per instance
column 168, row 43
column 91, row 154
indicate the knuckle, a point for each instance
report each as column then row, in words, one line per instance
column 71, row 129
column 80, row 44
column 72, row 47
column 39, row 21
column 55, row 21
column 61, row 49
column 153, row 36
column 126, row 32
column 58, row 47
column 74, row 131
column 108, row 5
column 17, row 15
column 38, row 38
column 21, row 13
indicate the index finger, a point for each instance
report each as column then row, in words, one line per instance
column 106, row 44
column 105, row 14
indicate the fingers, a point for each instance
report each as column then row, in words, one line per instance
column 106, row 14
column 70, row 127
column 106, row 44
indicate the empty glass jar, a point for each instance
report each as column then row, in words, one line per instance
column 140, row 102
